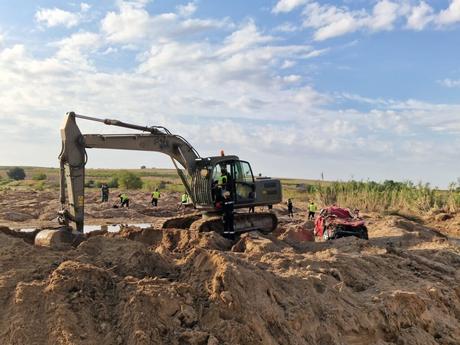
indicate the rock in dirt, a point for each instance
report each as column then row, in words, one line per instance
column 17, row 216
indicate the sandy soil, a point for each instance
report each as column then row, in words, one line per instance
column 150, row 286
column 29, row 209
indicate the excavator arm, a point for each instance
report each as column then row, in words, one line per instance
column 73, row 158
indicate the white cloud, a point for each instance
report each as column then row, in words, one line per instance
column 130, row 23
column 56, row 17
column 84, row 7
column 344, row 25
column 187, row 10
column 286, row 27
column 288, row 64
column 284, row 6
column 78, row 46
column 292, row 78
column 420, row 16
column 133, row 23
column 451, row 14
column 245, row 37
column 450, row 82
column 329, row 21
column 384, row 14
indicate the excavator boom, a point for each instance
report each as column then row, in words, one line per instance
column 201, row 184
column 73, row 157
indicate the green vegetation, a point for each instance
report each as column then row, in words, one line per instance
column 39, row 177
column 388, row 196
column 40, row 186
column 16, row 173
column 129, row 180
column 403, row 198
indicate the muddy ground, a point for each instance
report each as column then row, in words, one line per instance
column 151, row 286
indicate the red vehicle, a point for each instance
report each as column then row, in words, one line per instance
column 335, row 222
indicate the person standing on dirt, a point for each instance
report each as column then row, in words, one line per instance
column 252, row 196
column 124, row 200
column 290, row 208
column 228, row 216
column 155, row 197
column 312, row 210
column 105, row 192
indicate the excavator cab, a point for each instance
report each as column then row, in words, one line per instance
column 236, row 177
column 215, row 175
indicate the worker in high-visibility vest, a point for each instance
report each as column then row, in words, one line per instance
column 312, row 210
column 223, row 179
column 124, row 200
column 155, row 197
column 184, row 199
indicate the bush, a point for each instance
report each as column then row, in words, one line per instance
column 39, row 177
column 16, row 173
column 90, row 184
column 4, row 181
column 113, row 183
column 149, row 185
column 40, row 186
column 129, row 180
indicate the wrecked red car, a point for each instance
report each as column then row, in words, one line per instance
column 335, row 222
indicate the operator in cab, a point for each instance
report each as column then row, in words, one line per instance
column 224, row 180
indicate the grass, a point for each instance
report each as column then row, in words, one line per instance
column 372, row 196
column 404, row 198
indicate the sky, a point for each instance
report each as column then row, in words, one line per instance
column 350, row 89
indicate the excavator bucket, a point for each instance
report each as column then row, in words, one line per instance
column 58, row 239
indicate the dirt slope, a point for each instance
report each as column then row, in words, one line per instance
column 176, row 287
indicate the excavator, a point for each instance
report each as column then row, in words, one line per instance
column 199, row 175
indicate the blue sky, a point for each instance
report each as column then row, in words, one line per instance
column 354, row 89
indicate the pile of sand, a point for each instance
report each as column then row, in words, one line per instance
column 178, row 287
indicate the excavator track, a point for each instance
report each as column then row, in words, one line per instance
column 264, row 222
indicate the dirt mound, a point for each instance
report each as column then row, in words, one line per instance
column 150, row 286
column 171, row 286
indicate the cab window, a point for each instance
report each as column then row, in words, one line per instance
column 244, row 182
